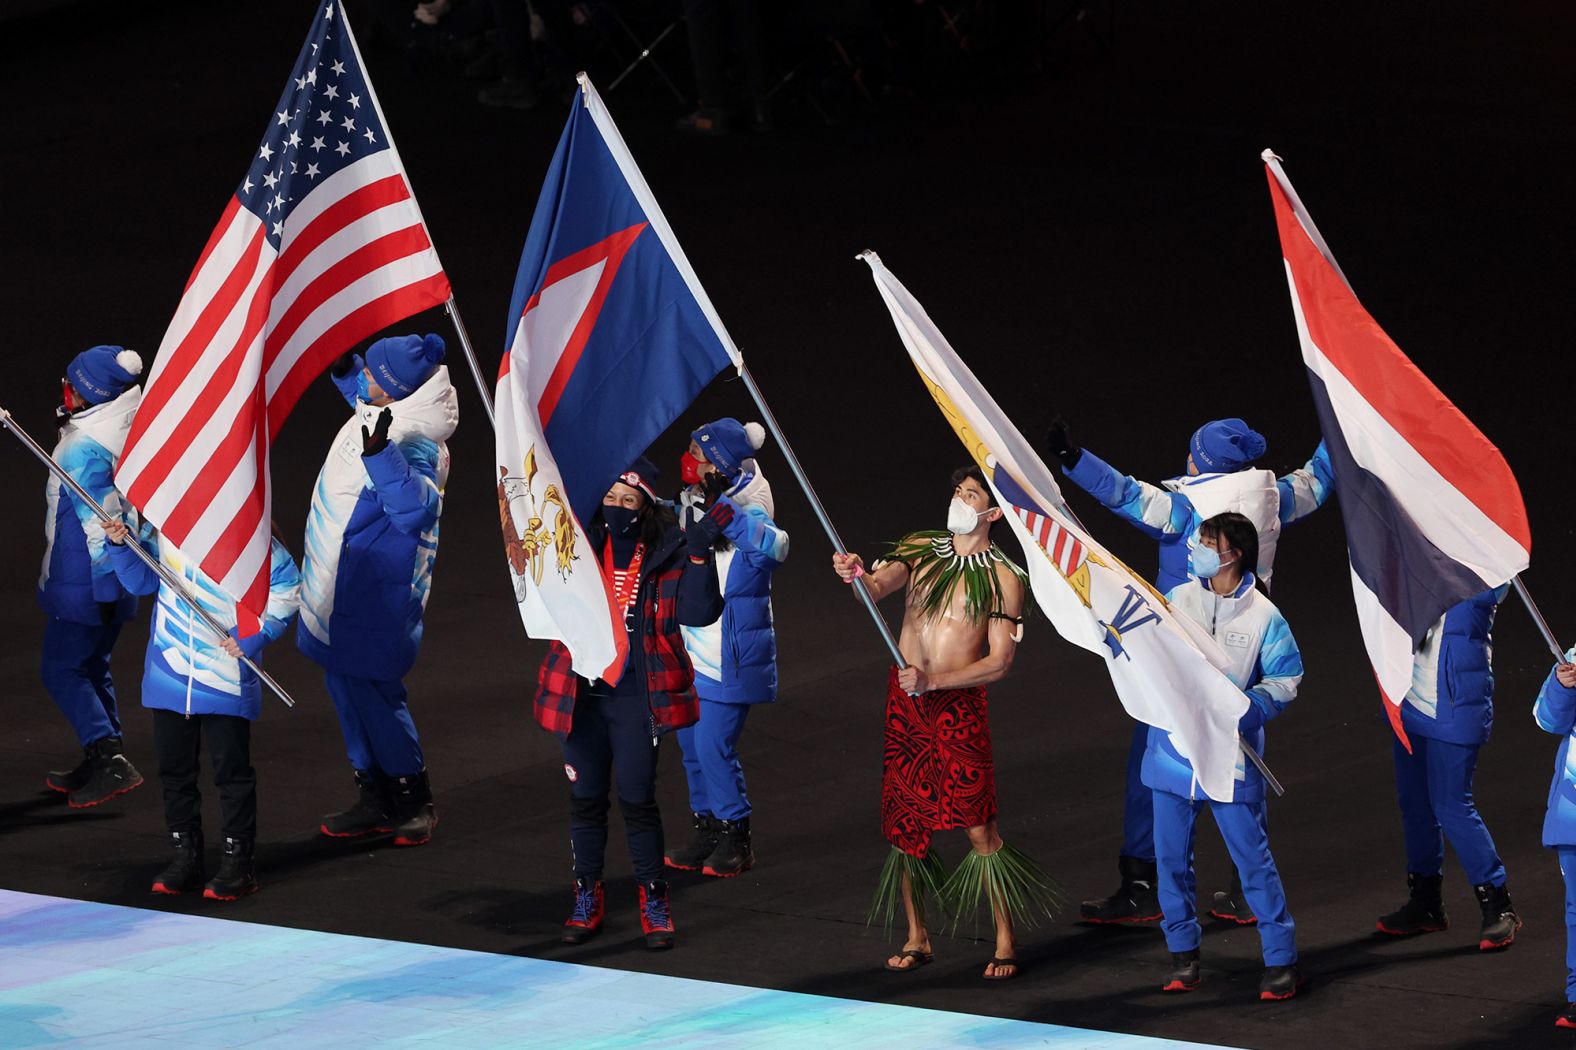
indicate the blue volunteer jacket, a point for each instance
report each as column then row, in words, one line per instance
column 372, row 537
column 1265, row 663
column 1555, row 711
column 186, row 671
column 1171, row 517
column 735, row 659
column 1452, row 694
column 76, row 575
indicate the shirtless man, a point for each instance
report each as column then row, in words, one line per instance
column 961, row 625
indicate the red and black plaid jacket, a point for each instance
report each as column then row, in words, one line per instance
column 673, row 591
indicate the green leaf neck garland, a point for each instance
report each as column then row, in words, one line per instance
column 936, row 569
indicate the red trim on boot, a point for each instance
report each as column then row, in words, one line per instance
column 1126, row 920
column 1382, row 928
column 210, row 894
column 106, row 798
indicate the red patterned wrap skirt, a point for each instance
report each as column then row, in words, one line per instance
column 936, row 770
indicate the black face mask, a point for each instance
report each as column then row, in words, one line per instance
column 621, row 521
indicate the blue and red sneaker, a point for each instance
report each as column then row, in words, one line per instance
column 656, row 916
column 585, row 922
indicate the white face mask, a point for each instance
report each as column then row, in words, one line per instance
column 961, row 518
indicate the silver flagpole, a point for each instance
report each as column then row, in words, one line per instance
column 1258, row 761
column 820, row 511
column 453, row 311
column 1537, row 617
column 169, row 578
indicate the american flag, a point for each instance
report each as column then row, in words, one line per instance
column 321, row 245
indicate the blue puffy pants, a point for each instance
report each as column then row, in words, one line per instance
column 375, row 717
column 1567, row 855
column 711, row 761
column 613, row 732
column 75, row 670
column 1434, row 786
column 1243, row 826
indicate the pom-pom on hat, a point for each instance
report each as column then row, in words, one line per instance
column 727, row 443
column 1224, row 446
column 401, row 363
column 103, row 373
column 642, row 474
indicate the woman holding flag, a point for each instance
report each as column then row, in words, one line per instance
column 660, row 577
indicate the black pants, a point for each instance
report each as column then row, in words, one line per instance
column 713, row 25
column 178, row 741
column 613, row 732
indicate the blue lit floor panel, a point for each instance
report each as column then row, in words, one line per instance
column 99, row 975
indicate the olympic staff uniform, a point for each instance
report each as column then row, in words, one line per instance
column 1555, row 711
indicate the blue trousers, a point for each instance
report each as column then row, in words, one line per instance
column 75, row 670
column 1434, row 787
column 613, row 733
column 1138, row 814
column 711, row 761
column 1243, row 826
column 375, row 717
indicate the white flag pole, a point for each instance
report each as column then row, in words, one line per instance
column 170, row 579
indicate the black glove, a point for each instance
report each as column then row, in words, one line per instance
column 343, row 365
column 376, row 440
column 702, row 535
column 1060, row 444
column 714, row 485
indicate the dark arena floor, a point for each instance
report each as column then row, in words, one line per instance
column 1091, row 228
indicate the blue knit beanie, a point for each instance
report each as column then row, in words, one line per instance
column 642, row 474
column 103, row 373
column 401, row 363
column 1224, row 446
column 727, row 443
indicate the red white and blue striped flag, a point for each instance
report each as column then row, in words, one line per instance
column 1433, row 513
column 321, row 246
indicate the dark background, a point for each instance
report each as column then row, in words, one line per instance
column 1091, row 228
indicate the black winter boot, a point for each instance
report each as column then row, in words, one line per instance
column 1231, row 905
column 1183, row 975
column 1423, row 912
column 693, row 856
column 1279, row 982
column 1135, row 901
column 66, row 781
column 733, row 855
column 112, row 774
column 1500, row 921
column 236, row 876
column 185, row 873
column 369, row 814
column 414, row 814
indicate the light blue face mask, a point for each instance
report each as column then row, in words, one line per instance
column 362, row 391
column 1204, row 562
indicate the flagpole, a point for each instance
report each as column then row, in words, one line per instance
column 1537, row 618
column 820, row 511
column 164, row 573
column 1258, row 762
column 453, row 310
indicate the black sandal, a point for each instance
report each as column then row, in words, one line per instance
column 994, row 961
column 920, row 959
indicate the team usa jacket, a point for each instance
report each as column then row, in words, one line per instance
column 1452, row 694
column 735, row 658
column 1264, row 663
column 186, row 671
column 1555, row 710
column 77, row 582
column 674, row 591
column 372, row 536
column 1173, row 513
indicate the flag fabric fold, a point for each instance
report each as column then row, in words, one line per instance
column 1433, row 514
column 1166, row 669
column 610, row 337
column 320, row 246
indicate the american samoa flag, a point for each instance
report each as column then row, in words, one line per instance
column 610, row 337
column 1432, row 511
column 321, row 245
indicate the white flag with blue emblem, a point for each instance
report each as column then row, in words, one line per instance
column 1167, row 669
